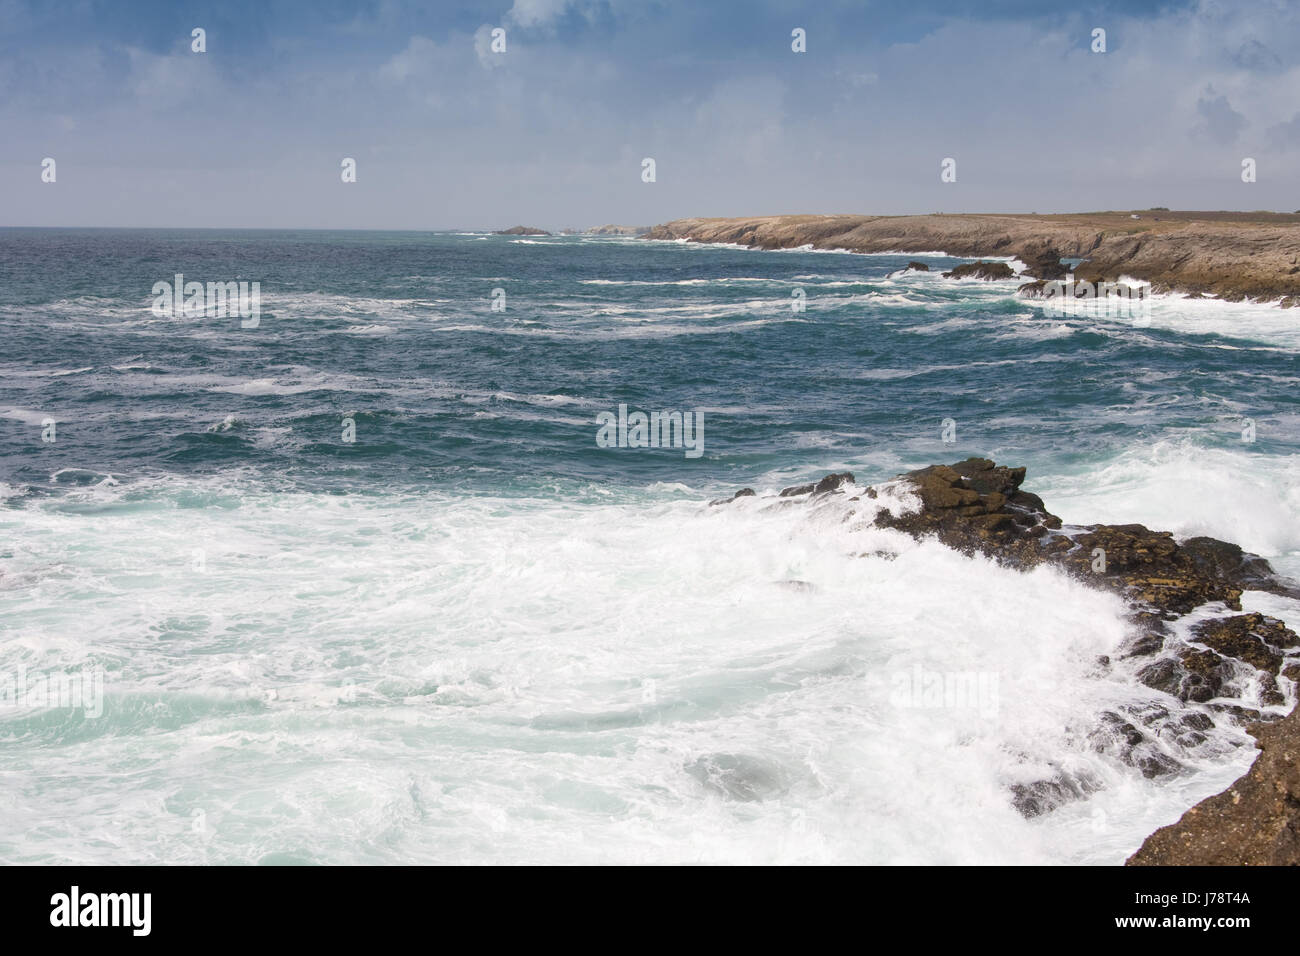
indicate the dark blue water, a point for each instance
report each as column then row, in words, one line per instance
column 396, row 330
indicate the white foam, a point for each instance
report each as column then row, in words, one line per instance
column 1181, row 486
column 422, row 678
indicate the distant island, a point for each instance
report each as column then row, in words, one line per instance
column 1234, row 256
column 611, row 230
column 606, row 230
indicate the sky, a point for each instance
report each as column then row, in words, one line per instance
column 448, row 134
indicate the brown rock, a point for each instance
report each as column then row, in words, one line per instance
column 1252, row 638
column 1226, row 254
column 825, row 486
column 1255, row 822
column 977, row 506
column 981, row 270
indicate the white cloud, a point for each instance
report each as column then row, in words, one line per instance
column 533, row 13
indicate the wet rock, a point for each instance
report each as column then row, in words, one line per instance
column 1227, row 561
column 1242, row 715
column 1171, row 676
column 1255, row 822
column 1119, row 736
column 1270, row 695
column 1042, row 796
column 981, row 270
column 1148, row 635
column 1045, row 265
column 915, row 266
column 825, row 486
column 742, row 493
column 1252, row 638
column 976, row 506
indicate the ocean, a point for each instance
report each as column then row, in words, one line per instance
column 358, row 583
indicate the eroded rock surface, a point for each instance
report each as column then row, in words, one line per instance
column 1255, row 822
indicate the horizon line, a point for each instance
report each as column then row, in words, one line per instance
column 558, row 232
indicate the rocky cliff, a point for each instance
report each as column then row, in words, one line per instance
column 1233, row 256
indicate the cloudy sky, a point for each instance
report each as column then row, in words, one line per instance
column 447, row 133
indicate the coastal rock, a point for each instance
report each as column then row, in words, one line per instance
column 613, row 230
column 976, row 506
column 1043, row 796
column 1227, row 561
column 1255, row 822
column 1130, row 745
column 1231, row 255
column 1253, row 638
column 1191, row 675
column 1078, row 289
column 981, row 270
column 742, row 493
column 825, row 486
column 1045, row 264
column 979, row 507
column 521, row 231
column 915, row 266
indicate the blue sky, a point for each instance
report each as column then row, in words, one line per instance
column 448, row 134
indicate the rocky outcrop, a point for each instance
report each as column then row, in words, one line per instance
column 612, row 230
column 978, row 507
column 522, row 231
column 981, row 270
column 1255, row 822
column 1230, row 255
column 912, row 266
column 1080, row 290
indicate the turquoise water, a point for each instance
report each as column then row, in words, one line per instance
column 472, row 634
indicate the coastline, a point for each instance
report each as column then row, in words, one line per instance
column 978, row 507
column 1252, row 823
column 1233, row 257
column 1230, row 257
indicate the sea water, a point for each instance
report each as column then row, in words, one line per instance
column 360, row 585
